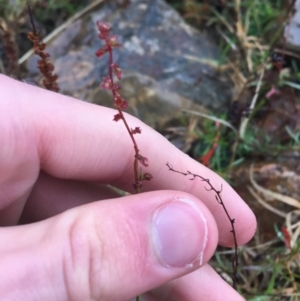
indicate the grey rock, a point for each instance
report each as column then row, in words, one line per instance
column 162, row 57
column 292, row 29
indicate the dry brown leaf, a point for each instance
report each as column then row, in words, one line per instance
column 273, row 195
column 294, row 229
column 265, row 204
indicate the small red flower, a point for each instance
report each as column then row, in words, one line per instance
column 136, row 130
column 106, row 83
column 100, row 52
column 117, row 117
column 117, row 70
column 147, row 176
column 143, row 160
column 137, row 185
column 103, row 26
column 117, row 87
column 42, row 46
column 113, row 42
column 119, row 102
column 103, row 36
column 124, row 105
column 50, row 68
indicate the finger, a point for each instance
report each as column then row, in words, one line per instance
column 77, row 140
column 108, row 250
column 51, row 196
column 202, row 284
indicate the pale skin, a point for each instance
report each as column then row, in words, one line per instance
column 70, row 237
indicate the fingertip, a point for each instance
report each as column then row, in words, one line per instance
column 180, row 233
column 151, row 238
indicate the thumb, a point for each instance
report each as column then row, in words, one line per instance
column 108, row 250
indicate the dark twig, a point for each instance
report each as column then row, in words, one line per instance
column 231, row 220
column 31, row 20
column 45, row 66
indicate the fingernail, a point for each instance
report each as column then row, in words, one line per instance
column 179, row 233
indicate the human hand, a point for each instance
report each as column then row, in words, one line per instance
column 71, row 246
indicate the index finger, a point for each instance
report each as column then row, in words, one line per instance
column 78, row 140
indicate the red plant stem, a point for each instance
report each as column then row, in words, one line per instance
column 136, row 149
column 287, row 237
column 234, row 262
column 205, row 159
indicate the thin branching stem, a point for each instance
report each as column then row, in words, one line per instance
column 135, row 146
column 231, row 220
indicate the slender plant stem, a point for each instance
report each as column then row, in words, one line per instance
column 136, row 149
column 231, row 220
column 121, row 104
column 31, row 20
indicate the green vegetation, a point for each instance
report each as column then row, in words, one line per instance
column 44, row 9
